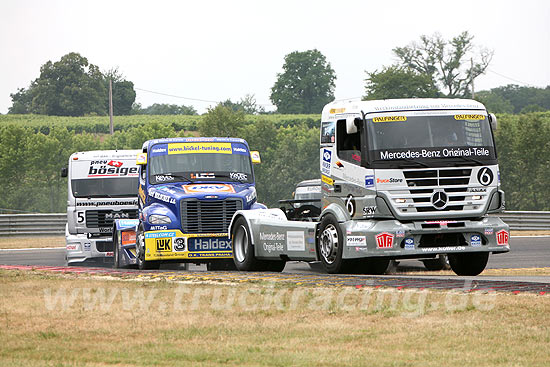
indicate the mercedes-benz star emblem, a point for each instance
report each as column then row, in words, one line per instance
column 440, row 200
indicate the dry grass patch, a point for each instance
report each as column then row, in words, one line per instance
column 486, row 272
column 16, row 242
column 55, row 319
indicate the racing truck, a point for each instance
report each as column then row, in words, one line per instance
column 188, row 191
column 102, row 186
column 400, row 179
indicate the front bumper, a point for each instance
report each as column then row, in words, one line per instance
column 79, row 249
column 392, row 238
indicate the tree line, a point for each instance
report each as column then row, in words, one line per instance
column 32, row 160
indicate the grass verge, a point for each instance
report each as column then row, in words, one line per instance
column 16, row 242
column 55, row 319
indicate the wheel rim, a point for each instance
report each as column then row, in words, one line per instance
column 240, row 244
column 140, row 248
column 329, row 244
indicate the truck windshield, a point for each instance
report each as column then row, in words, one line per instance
column 104, row 187
column 453, row 137
column 194, row 167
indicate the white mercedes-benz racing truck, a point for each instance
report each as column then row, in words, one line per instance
column 102, row 187
column 401, row 179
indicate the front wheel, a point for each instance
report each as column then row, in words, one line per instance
column 331, row 246
column 116, row 261
column 140, row 247
column 469, row 263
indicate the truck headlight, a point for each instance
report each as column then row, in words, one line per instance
column 159, row 219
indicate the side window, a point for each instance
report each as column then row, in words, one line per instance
column 348, row 146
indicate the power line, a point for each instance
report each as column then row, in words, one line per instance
column 172, row 95
column 512, row 79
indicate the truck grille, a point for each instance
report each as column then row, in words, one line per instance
column 422, row 185
column 212, row 216
column 105, row 218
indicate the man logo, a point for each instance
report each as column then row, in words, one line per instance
column 164, row 244
column 440, row 200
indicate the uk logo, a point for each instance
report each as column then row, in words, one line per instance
column 384, row 240
column 115, row 164
column 502, row 238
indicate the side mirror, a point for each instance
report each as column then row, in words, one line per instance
column 493, row 121
column 255, row 156
column 64, row 172
column 351, row 124
column 141, row 159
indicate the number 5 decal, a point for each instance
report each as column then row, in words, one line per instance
column 485, row 176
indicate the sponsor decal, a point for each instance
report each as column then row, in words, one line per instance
column 339, row 164
column 159, row 234
column 390, row 180
column 72, row 247
column 272, row 236
column 163, row 178
column 128, row 237
column 369, row 181
column 159, row 150
column 384, row 240
column 361, row 249
column 105, row 230
column 162, row 197
column 327, row 180
column 179, row 244
column 433, row 153
column 252, row 196
column 440, row 222
column 141, row 194
column 210, row 254
column 443, row 249
column 400, row 233
column 186, row 148
column 389, row 119
column 238, row 176
column 488, row 231
column 109, row 254
column 356, row 241
column 273, row 247
column 209, row 244
column 485, row 176
column 409, row 243
column 469, row 117
column 478, row 190
column 166, row 189
column 350, row 205
column 295, row 241
column 475, row 240
column 158, row 228
column 337, row 110
column 202, row 175
column 104, row 168
column 87, row 246
column 327, row 132
column 206, row 188
column 502, row 238
column 128, row 222
column 369, row 210
column 326, row 163
column 239, row 149
column 163, row 244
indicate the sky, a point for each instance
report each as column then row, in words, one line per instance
column 209, row 51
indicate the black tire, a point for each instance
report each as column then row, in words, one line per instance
column 330, row 246
column 141, row 262
column 469, row 263
column 221, row 265
column 441, row 262
column 243, row 251
column 372, row 266
column 116, row 261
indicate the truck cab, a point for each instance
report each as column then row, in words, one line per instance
column 188, row 191
column 102, row 187
column 409, row 178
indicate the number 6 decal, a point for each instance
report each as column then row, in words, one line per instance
column 485, row 176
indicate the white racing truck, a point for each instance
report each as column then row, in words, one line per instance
column 102, row 186
column 401, row 179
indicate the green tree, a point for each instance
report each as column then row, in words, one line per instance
column 494, row 102
column 399, row 82
column 69, row 87
column 247, row 104
column 306, row 84
column 520, row 97
column 167, row 109
column 222, row 121
column 451, row 64
column 21, row 101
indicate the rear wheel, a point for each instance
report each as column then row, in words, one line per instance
column 441, row 262
column 469, row 263
column 140, row 247
column 116, row 261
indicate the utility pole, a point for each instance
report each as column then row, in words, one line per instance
column 111, row 127
column 471, row 77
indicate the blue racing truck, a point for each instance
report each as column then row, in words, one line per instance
column 189, row 189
